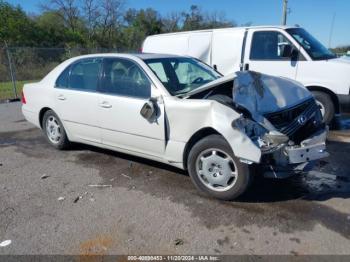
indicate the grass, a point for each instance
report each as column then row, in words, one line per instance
column 6, row 89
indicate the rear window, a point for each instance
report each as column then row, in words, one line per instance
column 82, row 75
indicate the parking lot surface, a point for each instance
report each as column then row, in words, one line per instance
column 92, row 201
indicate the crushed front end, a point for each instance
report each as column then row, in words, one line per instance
column 291, row 137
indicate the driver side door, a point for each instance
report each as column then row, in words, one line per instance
column 124, row 90
column 265, row 54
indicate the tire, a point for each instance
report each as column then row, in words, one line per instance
column 326, row 105
column 58, row 131
column 234, row 187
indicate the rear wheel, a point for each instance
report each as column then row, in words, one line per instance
column 214, row 169
column 325, row 103
column 54, row 130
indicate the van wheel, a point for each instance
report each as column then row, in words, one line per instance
column 326, row 105
column 54, row 130
column 215, row 170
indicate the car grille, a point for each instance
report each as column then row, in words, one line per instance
column 292, row 120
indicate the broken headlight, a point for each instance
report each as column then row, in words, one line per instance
column 267, row 141
column 251, row 128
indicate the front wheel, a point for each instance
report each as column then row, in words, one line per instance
column 325, row 103
column 215, row 170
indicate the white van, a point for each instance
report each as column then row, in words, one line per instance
column 276, row 50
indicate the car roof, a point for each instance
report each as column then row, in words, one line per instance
column 142, row 56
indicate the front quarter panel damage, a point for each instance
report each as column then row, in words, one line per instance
column 186, row 117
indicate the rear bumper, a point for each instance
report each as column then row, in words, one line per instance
column 291, row 160
column 344, row 102
column 30, row 116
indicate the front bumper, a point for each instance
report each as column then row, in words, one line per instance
column 290, row 160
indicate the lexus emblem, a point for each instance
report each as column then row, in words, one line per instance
column 302, row 120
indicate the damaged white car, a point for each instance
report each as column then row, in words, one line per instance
column 180, row 111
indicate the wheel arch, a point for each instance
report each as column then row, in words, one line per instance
column 200, row 134
column 332, row 95
column 41, row 115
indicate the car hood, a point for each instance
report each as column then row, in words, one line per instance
column 341, row 60
column 260, row 93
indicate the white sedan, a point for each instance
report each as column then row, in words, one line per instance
column 179, row 111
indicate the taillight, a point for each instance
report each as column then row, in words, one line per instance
column 23, row 99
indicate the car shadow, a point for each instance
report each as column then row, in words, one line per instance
column 329, row 179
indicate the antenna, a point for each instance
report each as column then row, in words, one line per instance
column 285, row 10
column 331, row 30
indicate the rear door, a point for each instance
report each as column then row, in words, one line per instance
column 125, row 88
column 76, row 100
column 264, row 53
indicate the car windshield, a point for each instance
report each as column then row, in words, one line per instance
column 312, row 46
column 180, row 75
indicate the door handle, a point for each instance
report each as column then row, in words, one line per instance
column 246, row 67
column 105, row 104
column 61, row 97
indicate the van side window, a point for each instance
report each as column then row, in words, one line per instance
column 268, row 45
column 124, row 77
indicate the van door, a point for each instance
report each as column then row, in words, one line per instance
column 227, row 49
column 271, row 52
column 199, row 46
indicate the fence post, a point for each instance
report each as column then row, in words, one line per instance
column 11, row 71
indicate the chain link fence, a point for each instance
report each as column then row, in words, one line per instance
column 20, row 65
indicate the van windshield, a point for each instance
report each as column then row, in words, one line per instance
column 311, row 45
column 180, row 75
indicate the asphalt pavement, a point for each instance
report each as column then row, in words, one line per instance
column 93, row 201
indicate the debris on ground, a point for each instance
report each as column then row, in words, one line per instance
column 132, row 187
column 112, row 179
column 92, row 199
column 77, row 199
column 0, row 164
column 98, row 185
column 5, row 243
column 126, row 176
column 178, row 242
column 44, row 176
column 130, row 164
column 60, row 198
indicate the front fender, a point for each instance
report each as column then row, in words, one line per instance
column 188, row 116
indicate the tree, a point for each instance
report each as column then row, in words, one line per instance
column 15, row 27
column 68, row 10
column 139, row 24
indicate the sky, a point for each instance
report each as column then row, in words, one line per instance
column 314, row 15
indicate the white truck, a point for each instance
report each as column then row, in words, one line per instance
column 276, row 50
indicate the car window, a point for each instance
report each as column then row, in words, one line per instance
column 126, row 78
column 268, row 45
column 62, row 80
column 158, row 69
column 180, row 75
column 84, row 75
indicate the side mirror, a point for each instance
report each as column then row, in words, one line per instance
column 149, row 110
column 290, row 52
column 287, row 51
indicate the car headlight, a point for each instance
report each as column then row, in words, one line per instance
column 268, row 141
column 251, row 128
